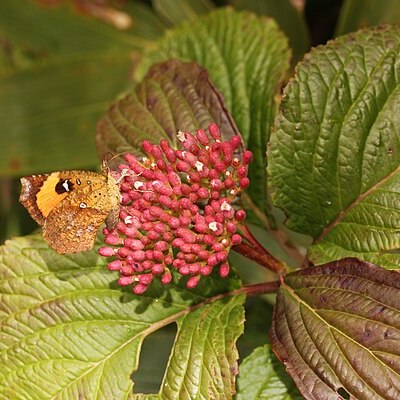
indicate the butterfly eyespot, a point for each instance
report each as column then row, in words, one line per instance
column 54, row 201
column 63, row 186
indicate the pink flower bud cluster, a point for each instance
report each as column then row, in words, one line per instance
column 178, row 209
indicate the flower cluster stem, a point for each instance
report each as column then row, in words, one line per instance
column 253, row 250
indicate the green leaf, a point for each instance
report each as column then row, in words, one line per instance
column 356, row 14
column 204, row 360
column 290, row 19
column 374, row 222
column 41, row 135
column 62, row 69
column 336, row 329
column 179, row 11
column 173, row 96
column 262, row 377
column 246, row 57
column 68, row 331
column 335, row 157
column 31, row 33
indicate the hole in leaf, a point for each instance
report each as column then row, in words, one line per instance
column 344, row 393
column 153, row 360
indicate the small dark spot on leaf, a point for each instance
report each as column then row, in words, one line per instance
column 367, row 334
column 390, row 150
column 322, row 299
column 387, row 334
column 344, row 393
column 382, row 308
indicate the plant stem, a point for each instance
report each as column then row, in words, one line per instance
column 261, row 288
column 279, row 235
column 264, row 258
column 253, row 250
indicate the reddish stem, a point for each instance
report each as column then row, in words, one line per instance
column 256, row 252
column 261, row 288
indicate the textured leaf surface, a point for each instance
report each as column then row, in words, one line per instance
column 335, row 156
column 60, row 69
column 179, row 11
column 289, row 18
column 246, row 57
column 173, row 96
column 262, row 376
column 336, row 329
column 68, row 331
column 204, row 361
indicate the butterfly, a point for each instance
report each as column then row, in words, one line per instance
column 71, row 206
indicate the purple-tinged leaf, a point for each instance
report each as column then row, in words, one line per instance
column 173, row 96
column 336, row 328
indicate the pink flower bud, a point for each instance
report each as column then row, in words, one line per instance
column 202, row 137
column 240, row 215
column 174, row 178
column 147, row 146
column 112, row 239
column 190, row 226
column 236, row 239
column 115, row 265
column 183, row 166
column 161, row 246
column 133, row 244
column 139, row 255
column 244, row 183
column 217, row 184
column 140, row 288
column 125, row 280
column 212, row 260
column 168, row 236
column 145, row 279
column 192, row 282
column 214, row 131
column 123, row 252
column 168, row 260
column 161, row 165
column 184, row 270
column 206, row 270
column 236, row 141
column 153, row 235
column 247, row 157
column 166, row 278
column 231, row 227
column 203, row 193
column 203, row 254
column 158, row 269
column 185, row 221
column 158, row 255
column 157, row 152
column 106, row 251
column 224, row 270
column 149, row 254
column 242, row 171
column 160, row 227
